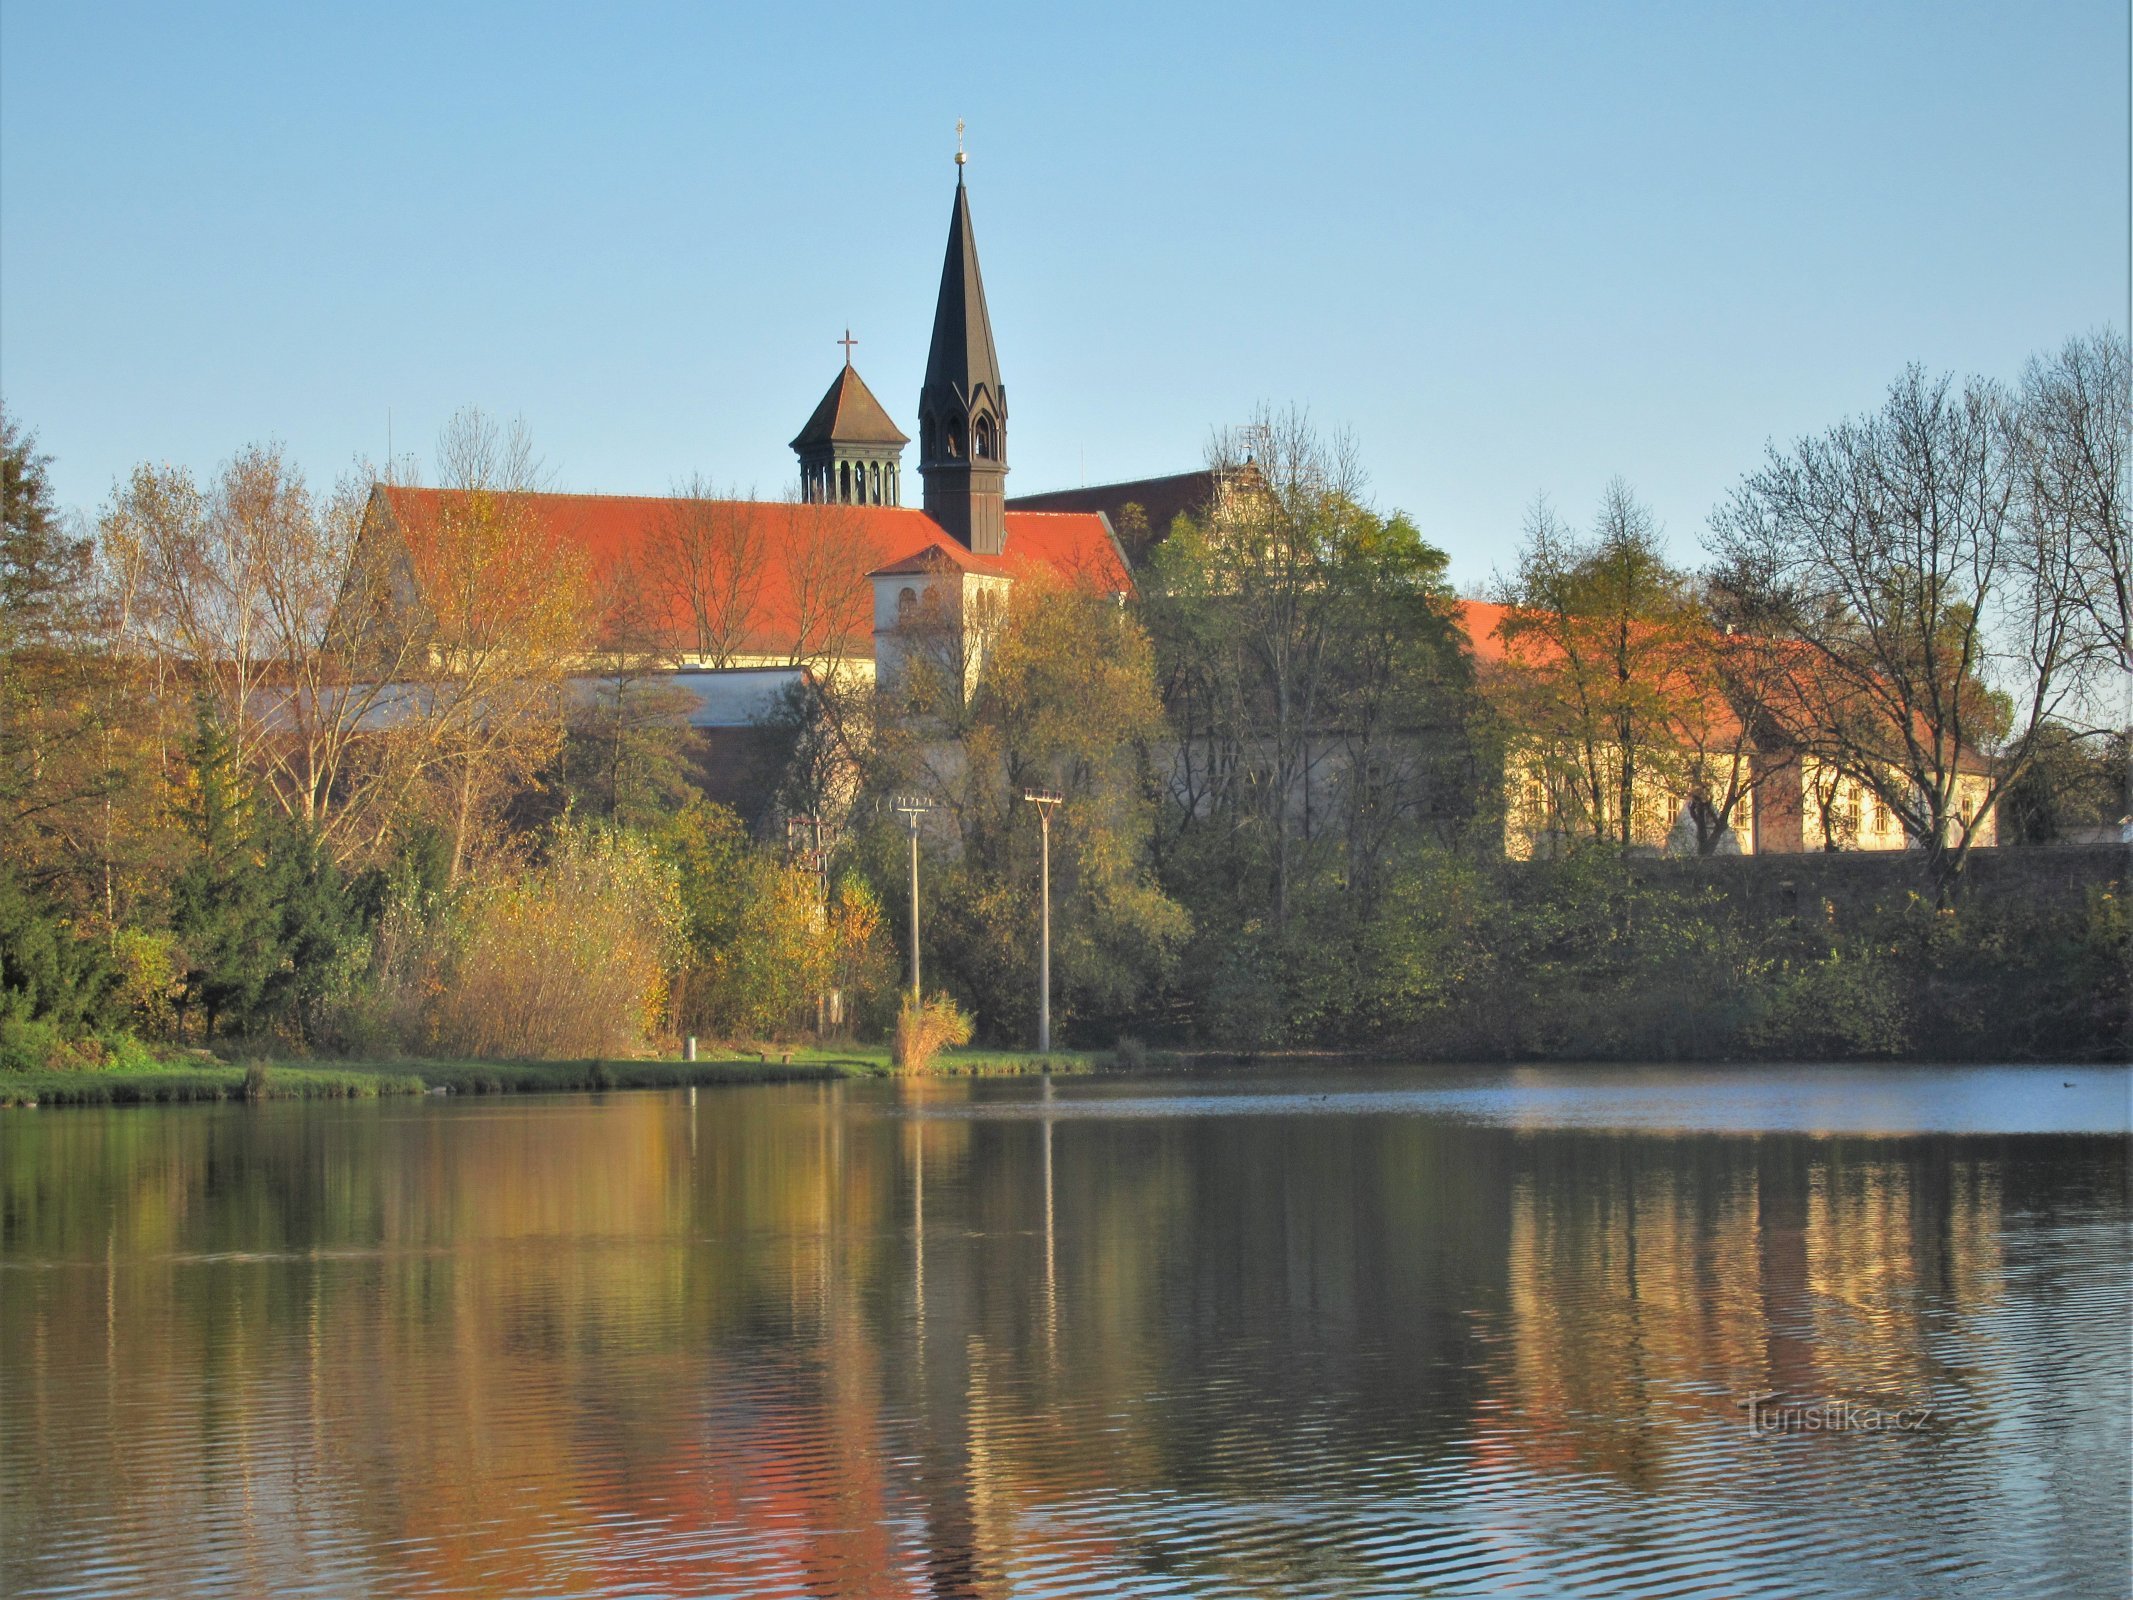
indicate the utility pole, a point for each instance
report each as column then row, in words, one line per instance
column 1046, row 801
column 912, row 810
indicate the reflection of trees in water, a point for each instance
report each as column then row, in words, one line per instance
column 1655, row 1282
column 700, row 1346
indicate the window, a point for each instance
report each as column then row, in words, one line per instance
column 874, row 483
column 981, row 438
column 844, row 481
column 906, row 603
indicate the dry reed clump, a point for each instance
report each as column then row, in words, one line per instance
column 924, row 1029
column 566, row 959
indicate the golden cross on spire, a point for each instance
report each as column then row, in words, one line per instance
column 847, row 341
column 960, row 157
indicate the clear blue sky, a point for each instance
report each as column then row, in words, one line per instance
column 1512, row 248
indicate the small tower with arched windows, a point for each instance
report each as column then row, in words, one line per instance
column 962, row 408
column 850, row 452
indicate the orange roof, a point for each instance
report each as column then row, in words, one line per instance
column 1479, row 620
column 833, row 547
column 1794, row 683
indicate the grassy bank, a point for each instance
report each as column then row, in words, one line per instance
column 144, row 1086
column 195, row 1080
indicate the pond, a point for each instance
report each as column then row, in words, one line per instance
column 1804, row 1331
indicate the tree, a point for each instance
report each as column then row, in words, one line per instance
column 1248, row 611
column 1601, row 680
column 1063, row 698
column 60, row 695
column 1400, row 701
column 628, row 747
column 759, row 946
column 2076, row 417
column 824, row 728
column 707, row 558
column 1890, row 557
column 266, row 595
column 319, row 922
column 2075, row 788
column 500, row 607
column 40, row 564
column 222, row 908
column 1321, row 723
column 47, row 972
column 826, row 551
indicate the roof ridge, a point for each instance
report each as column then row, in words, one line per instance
column 655, row 499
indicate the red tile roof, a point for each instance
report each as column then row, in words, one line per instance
column 1479, row 620
column 619, row 535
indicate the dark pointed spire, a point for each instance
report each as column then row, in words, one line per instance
column 962, row 406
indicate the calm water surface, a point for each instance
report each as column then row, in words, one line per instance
column 1393, row 1333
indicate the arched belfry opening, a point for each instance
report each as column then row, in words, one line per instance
column 850, row 452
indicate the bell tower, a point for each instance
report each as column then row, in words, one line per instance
column 850, row 452
column 962, row 407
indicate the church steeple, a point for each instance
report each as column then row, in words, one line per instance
column 962, row 407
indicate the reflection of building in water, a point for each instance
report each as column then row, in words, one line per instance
column 1645, row 1302
column 1885, row 1239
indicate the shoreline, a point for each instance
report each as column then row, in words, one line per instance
column 205, row 1082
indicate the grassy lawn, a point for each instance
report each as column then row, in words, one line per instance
column 194, row 1079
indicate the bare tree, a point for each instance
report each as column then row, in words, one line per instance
column 827, row 551
column 1889, row 554
column 707, row 556
column 251, row 591
column 2075, row 424
column 499, row 607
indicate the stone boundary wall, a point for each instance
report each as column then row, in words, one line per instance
column 2053, row 875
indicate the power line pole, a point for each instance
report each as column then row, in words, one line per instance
column 912, row 810
column 1046, row 801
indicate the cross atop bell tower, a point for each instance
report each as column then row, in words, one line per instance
column 962, row 406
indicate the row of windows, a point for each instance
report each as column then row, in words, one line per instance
column 852, row 483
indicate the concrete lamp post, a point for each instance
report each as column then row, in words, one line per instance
column 912, row 810
column 1046, row 801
